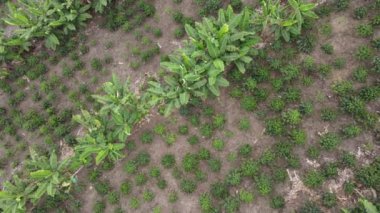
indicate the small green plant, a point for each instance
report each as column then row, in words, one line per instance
column 113, row 197
column 168, row 161
column 218, row 144
column 96, row 64
column 214, row 164
column 360, row 74
column 309, row 206
column 248, row 103
column 219, row 190
column 147, row 137
column 351, row 131
column 292, row 117
column 245, row 150
column 341, row 5
column 328, row 114
column 244, row 124
column 148, row 195
column 141, row 179
column 347, row 160
column 274, row 127
column 277, row 202
column 363, row 53
column 298, row 136
column 183, row 129
column 188, row 186
column 360, row 13
column 190, row 162
column 313, row 179
column 330, row 170
column 172, row 197
column 277, row 104
column 126, row 187
column 327, row 48
column 329, row 199
column 134, row 203
column 193, row 139
column 329, row 141
column 364, row 30
column 264, row 184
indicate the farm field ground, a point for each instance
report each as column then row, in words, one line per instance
column 285, row 136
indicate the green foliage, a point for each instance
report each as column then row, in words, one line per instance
column 205, row 201
column 193, row 139
column 99, row 207
column 309, row 206
column 219, row 190
column 298, row 136
column 329, row 141
column 168, row 161
column 363, row 53
column 347, row 160
column 370, row 175
column 190, row 162
column 231, row 204
column 141, row 179
column 341, row 4
column 218, row 121
column 248, row 103
column 264, row 184
column 328, row 114
column 46, row 21
column 234, row 177
column 351, row 131
column 277, row 104
column 148, row 195
column 313, row 179
column 196, row 71
column 277, row 202
column 246, row 196
column 188, row 186
column 290, row 72
column 218, row 144
column 147, row 137
column 330, row 170
column 126, row 187
column 360, row 12
column 364, row 30
column 285, row 20
column 274, row 127
column 292, row 117
column 329, row 199
column 245, row 150
column 113, row 197
column 244, row 124
column 108, row 129
column 183, row 129
column 327, row 48
column 360, row 74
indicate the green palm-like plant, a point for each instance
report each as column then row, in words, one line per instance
column 197, row 69
column 42, row 19
column 15, row 195
column 48, row 174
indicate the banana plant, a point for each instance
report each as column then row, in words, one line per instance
column 46, row 19
column 15, row 195
column 197, row 70
column 100, row 5
column 50, row 176
column 283, row 20
column 11, row 48
column 99, row 146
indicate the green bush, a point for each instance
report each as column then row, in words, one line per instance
column 102, row 187
column 218, row 121
column 233, row 177
column 343, row 88
column 168, row 161
column 190, row 162
column 341, row 5
column 327, row 48
column 204, row 154
column 141, row 179
column 376, row 43
column 134, row 203
column 231, row 204
column 330, row 170
column 364, row 30
column 193, row 139
column 126, row 187
column 298, row 136
column 267, row 157
column 147, row 137
column 160, row 129
column 360, row 74
column 290, row 72
column 274, row 127
column 161, row 183
column 292, row 95
column 188, row 186
column 368, row 94
column 179, row 32
column 313, row 179
column 264, row 184
column 249, row 168
column 113, row 197
column 214, row 164
column 306, row 43
column 329, row 199
column 363, row 53
column 218, row 144
column 277, row 104
column 99, row 207
column 207, row 130
column 205, row 202
column 172, row 197
column 96, row 64
column 292, row 117
column 219, row 190
column 376, row 64
column 328, row 114
column 349, row 187
column 248, row 103
column 324, row 69
column 360, row 12
column 277, row 202
column 245, row 150
column 183, row 129
column 347, row 160
column 369, row 175
column 142, row 158
column 170, row 138
column 309, row 207
column 351, row 131
column 244, row 124
column 279, row 174
column 329, row 141
column 306, row 108
column 155, row 172
column 148, row 195
column 246, row 196
column 250, row 84
column 352, row 105
column 130, row 167
column 339, row 63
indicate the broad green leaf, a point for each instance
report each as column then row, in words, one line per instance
column 184, row 98
column 212, row 50
column 219, row 64
column 191, row 32
column 369, row 207
column 101, row 156
column 41, row 174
